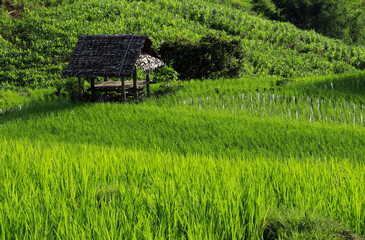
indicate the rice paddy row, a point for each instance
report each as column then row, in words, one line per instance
column 164, row 169
column 58, row 190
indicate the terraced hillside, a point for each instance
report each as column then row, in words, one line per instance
column 36, row 45
column 243, row 163
column 277, row 153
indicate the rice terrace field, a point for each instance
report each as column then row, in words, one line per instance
column 275, row 152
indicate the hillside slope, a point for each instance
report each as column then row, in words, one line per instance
column 36, row 43
column 269, row 155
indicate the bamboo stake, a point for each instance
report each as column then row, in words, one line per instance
column 80, row 89
column 124, row 97
column 135, row 91
column 148, row 85
column 93, row 93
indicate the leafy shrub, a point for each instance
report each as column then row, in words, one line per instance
column 265, row 7
column 165, row 74
column 168, row 77
column 211, row 57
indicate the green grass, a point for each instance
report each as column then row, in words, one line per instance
column 203, row 132
column 335, row 99
column 160, row 169
column 63, row 190
column 204, row 162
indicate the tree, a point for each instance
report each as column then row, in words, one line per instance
column 342, row 19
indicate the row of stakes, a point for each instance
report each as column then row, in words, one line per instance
column 251, row 103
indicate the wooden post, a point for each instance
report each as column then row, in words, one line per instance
column 80, row 89
column 93, row 96
column 148, row 85
column 124, row 97
column 135, row 83
column 105, row 80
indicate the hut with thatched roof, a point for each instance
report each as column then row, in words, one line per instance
column 113, row 56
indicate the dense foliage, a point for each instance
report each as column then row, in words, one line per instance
column 209, row 58
column 341, row 19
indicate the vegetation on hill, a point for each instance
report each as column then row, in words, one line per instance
column 36, row 45
column 341, row 19
column 275, row 153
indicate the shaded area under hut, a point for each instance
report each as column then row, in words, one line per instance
column 113, row 56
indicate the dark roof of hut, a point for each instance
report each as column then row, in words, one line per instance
column 111, row 56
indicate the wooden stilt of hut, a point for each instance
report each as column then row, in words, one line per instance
column 114, row 56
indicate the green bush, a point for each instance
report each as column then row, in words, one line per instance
column 341, row 19
column 165, row 74
column 265, row 7
column 168, row 77
column 211, row 57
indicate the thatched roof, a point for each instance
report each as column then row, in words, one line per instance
column 111, row 56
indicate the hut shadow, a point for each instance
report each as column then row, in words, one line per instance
column 39, row 109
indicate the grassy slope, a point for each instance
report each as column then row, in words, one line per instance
column 43, row 38
column 157, row 169
column 204, row 133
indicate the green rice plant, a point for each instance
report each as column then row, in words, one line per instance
column 127, row 192
column 165, row 169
